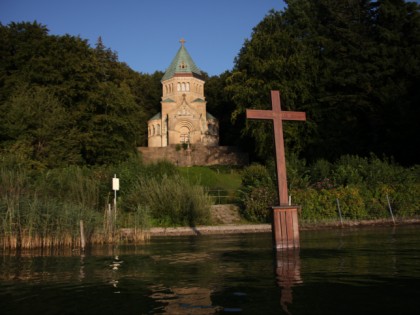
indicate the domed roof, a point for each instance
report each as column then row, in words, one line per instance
column 182, row 64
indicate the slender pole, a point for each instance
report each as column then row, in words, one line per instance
column 110, row 226
column 390, row 209
column 339, row 211
column 115, row 199
column 115, row 206
column 82, row 236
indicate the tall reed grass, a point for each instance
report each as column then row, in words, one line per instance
column 171, row 201
column 43, row 209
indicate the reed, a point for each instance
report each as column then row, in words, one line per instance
column 43, row 208
column 44, row 211
column 173, row 201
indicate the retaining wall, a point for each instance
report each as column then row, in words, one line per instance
column 195, row 155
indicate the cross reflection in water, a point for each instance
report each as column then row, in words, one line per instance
column 287, row 274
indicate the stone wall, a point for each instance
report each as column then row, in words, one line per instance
column 195, row 155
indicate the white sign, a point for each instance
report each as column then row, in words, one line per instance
column 115, row 183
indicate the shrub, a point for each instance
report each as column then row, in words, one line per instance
column 255, row 175
column 349, row 170
column 258, row 204
column 351, row 202
column 375, row 200
column 322, row 204
column 320, row 170
column 297, row 172
column 316, row 204
column 173, row 201
column 405, row 200
column 257, row 193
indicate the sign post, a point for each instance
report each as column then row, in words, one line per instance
column 285, row 218
column 115, row 187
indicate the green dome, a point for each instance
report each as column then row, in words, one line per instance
column 181, row 64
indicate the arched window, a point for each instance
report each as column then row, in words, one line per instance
column 178, row 86
column 188, row 86
column 158, row 129
column 183, row 86
column 153, row 131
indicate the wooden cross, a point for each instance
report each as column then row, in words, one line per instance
column 277, row 116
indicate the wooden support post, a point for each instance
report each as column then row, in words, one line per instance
column 285, row 227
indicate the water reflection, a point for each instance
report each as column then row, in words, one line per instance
column 378, row 268
column 82, row 267
column 116, row 263
column 287, row 274
column 184, row 300
column 115, row 266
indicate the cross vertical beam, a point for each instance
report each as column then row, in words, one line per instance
column 285, row 225
column 277, row 116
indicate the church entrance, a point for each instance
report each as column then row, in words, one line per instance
column 184, row 135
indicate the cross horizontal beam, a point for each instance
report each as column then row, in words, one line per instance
column 265, row 114
column 277, row 116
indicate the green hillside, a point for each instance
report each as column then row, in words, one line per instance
column 221, row 182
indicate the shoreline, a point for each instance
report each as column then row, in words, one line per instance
column 266, row 228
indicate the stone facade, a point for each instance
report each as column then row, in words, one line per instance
column 183, row 132
column 195, row 155
column 183, row 117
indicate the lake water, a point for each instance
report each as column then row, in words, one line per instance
column 342, row 271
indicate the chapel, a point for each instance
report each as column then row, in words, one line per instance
column 183, row 118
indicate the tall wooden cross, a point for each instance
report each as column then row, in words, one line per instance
column 277, row 116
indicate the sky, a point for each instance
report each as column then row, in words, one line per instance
column 145, row 34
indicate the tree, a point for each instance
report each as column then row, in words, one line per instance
column 352, row 66
column 35, row 126
column 220, row 106
column 397, row 37
column 273, row 59
column 92, row 97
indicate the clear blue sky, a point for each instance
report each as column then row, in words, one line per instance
column 145, row 33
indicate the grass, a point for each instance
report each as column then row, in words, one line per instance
column 212, row 177
column 222, row 183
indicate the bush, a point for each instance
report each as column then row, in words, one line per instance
column 173, row 201
column 255, row 175
column 351, row 201
column 258, row 204
column 297, row 172
column 320, row 171
column 405, row 201
column 361, row 186
column 257, row 193
column 316, row 204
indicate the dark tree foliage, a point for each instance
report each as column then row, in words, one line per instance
column 271, row 60
column 220, row 106
column 353, row 66
column 64, row 102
